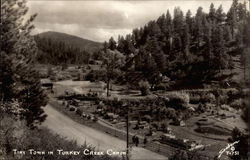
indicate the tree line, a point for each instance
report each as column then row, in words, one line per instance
column 189, row 48
column 58, row 52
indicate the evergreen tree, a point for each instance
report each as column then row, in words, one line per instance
column 121, row 44
column 112, row 44
column 212, row 13
column 189, row 22
column 15, row 33
column 128, row 45
column 199, row 27
column 178, row 20
column 246, row 30
column 186, row 41
column 105, row 46
column 219, row 49
column 232, row 17
column 220, row 15
column 19, row 81
column 137, row 37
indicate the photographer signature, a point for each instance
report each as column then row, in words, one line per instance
column 228, row 146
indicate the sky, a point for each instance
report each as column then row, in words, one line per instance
column 99, row 20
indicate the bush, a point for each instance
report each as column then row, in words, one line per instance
column 164, row 126
column 50, row 71
column 207, row 98
column 195, row 99
column 245, row 114
column 155, row 125
column 147, row 118
column 201, row 108
column 171, row 113
column 237, row 104
column 144, row 88
column 95, row 75
column 79, row 111
column 225, row 107
column 178, row 100
column 72, row 108
column 162, row 86
column 223, row 99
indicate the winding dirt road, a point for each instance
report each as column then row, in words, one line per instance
column 63, row 125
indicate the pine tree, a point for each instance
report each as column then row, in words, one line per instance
column 20, row 81
column 121, row 44
column 189, row 21
column 112, row 44
column 14, row 34
column 232, row 17
column 220, row 15
column 137, row 37
column 178, row 20
column 167, row 30
column 212, row 13
column 199, row 27
column 186, row 41
column 105, row 46
column 128, row 45
column 208, row 55
column 242, row 11
column 219, row 49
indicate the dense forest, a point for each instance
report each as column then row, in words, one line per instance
column 188, row 49
column 58, row 52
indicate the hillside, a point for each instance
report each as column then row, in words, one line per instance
column 83, row 44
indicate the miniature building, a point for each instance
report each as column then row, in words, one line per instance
column 46, row 83
column 112, row 116
column 179, row 122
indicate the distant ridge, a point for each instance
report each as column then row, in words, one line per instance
column 83, row 44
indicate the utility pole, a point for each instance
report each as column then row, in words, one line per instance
column 127, row 121
column 126, row 106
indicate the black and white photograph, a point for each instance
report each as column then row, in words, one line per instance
column 124, row 79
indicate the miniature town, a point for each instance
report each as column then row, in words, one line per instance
column 116, row 80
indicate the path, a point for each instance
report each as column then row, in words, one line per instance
column 65, row 126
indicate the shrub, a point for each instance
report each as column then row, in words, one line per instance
column 223, row 99
column 201, row 108
column 207, row 98
column 144, row 87
column 195, row 99
column 233, row 93
column 178, row 100
column 171, row 113
column 225, row 107
column 95, row 75
column 164, row 126
column 237, row 104
column 245, row 114
column 49, row 71
column 147, row 118
column 95, row 119
column 155, row 125
column 72, row 108
column 162, row 86
column 79, row 111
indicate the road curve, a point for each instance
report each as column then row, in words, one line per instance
column 63, row 125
